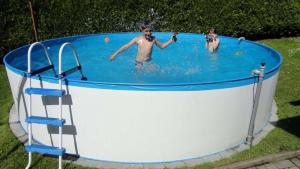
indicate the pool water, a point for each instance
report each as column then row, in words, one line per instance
column 185, row 62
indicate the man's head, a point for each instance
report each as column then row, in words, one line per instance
column 212, row 30
column 147, row 30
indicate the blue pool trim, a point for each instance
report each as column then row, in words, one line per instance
column 146, row 87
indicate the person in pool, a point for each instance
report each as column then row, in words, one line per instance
column 145, row 44
column 212, row 40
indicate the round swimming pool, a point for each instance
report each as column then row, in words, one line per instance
column 185, row 103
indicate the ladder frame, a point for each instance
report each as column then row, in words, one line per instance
column 31, row 73
column 61, row 75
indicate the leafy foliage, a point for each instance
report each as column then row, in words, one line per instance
column 254, row 19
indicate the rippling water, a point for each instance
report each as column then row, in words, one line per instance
column 186, row 61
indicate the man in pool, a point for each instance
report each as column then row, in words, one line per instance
column 145, row 44
column 212, row 40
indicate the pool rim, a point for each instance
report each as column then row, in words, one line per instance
column 228, row 83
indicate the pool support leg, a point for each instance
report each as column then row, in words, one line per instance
column 260, row 74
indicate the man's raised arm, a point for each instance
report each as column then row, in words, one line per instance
column 164, row 45
column 113, row 56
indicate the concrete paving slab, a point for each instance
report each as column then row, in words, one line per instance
column 296, row 161
column 271, row 166
column 283, row 164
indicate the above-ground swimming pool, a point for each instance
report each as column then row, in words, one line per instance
column 185, row 103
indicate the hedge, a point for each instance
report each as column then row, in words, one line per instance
column 254, row 19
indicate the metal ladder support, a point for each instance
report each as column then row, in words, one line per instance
column 59, row 122
column 30, row 147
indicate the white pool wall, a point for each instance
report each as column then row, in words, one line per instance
column 146, row 126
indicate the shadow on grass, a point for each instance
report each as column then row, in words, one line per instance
column 11, row 151
column 71, row 159
column 295, row 103
column 291, row 125
column 35, row 161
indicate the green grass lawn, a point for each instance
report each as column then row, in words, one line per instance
column 285, row 137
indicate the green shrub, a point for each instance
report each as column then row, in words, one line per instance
column 254, row 19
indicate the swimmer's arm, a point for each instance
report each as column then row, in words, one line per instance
column 163, row 45
column 113, row 56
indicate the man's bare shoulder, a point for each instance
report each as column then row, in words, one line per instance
column 139, row 37
column 134, row 40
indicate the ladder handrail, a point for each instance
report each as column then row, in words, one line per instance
column 29, row 55
column 29, row 126
column 240, row 39
column 71, row 70
column 30, row 72
column 60, row 77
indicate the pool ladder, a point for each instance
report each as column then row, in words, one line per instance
column 60, row 92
